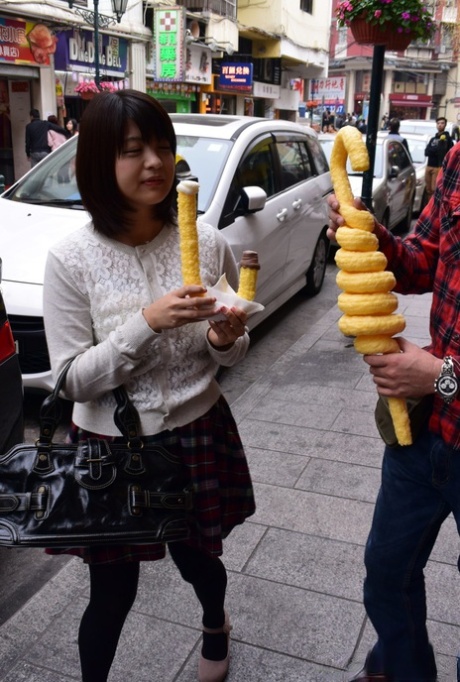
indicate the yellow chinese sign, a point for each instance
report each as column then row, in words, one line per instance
column 169, row 37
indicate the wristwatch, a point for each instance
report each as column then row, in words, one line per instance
column 447, row 384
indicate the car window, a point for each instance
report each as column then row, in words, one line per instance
column 295, row 165
column 397, row 155
column 206, row 158
column 317, row 154
column 256, row 168
column 417, row 150
column 51, row 183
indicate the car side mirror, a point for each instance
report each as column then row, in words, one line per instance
column 393, row 172
column 252, row 200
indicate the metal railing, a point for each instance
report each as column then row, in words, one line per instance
column 225, row 8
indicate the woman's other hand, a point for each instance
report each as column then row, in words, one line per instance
column 223, row 333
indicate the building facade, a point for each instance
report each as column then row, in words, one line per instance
column 46, row 50
column 419, row 83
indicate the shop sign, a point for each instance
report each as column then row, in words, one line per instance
column 198, row 64
column 236, row 76
column 75, row 52
column 25, row 42
column 169, row 37
column 267, row 90
column 329, row 88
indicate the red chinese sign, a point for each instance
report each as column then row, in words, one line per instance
column 25, row 42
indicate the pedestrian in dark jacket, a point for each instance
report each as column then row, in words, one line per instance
column 37, row 146
column 436, row 150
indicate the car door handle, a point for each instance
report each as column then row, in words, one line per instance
column 282, row 215
column 297, row 204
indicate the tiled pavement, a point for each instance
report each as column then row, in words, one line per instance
column 295, row 569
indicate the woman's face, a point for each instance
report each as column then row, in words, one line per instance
column 144, row 171
column 69, row 125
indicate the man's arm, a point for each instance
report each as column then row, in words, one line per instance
column 58, row 129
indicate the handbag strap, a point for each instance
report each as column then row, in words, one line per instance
column 126, row 417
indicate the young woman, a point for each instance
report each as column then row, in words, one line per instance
column 72, row 127
column 115, row 302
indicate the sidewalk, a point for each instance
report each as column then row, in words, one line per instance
column 295, row 569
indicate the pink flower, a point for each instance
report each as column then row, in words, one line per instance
column 377, row 13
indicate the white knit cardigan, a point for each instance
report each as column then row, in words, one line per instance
column 94, row 292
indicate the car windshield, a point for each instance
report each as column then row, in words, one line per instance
column 327, row 144
column 206, row 158
column 417, row 150
column 52, row 183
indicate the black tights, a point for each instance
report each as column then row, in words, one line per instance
column 113, row 591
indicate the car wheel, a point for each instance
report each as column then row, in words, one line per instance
column 404, row 225
column 424, row 201
column 386, row 220
column 317, row 269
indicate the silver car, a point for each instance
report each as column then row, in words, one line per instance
column 417, row 144
column 393, row 187
column 262, row 182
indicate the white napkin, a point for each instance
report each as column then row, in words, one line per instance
column 226, row 296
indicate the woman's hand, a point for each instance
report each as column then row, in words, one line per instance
column 222, row 334
column 410, row 374
column 179, row 307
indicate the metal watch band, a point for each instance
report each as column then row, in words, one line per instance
column 447, row 384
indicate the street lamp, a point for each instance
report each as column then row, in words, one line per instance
column 99, row 21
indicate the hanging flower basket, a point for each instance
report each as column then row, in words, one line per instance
column 87, row 95
column 366, row 33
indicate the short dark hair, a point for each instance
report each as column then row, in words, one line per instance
column 441, row 118
column 394, row 125
column 34, row 113
column 100, row 142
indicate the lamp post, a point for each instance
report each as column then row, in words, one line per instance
column 99, row 21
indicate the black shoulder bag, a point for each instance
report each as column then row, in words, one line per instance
column 94, row 492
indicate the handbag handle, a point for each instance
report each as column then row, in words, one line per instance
column 126, row 417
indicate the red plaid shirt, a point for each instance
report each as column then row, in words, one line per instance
column 429, row 260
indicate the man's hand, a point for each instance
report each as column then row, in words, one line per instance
column 409, row 374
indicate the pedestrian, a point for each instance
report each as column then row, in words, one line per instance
column 436, row 150
column 393, row 132
column 114, row 301
column 420, row 482
column 72, row 126
column 37, row 146
column 362, row 126
column 55, row 139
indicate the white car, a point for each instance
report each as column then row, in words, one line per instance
column 420, row 126
column 417, row 144
column 262, row 182
column 393, row 186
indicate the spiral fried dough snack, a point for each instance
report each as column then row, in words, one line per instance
column 366, row 301
column 249, row 269
column 186, row 206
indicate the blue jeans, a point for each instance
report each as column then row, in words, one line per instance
column 420, row 487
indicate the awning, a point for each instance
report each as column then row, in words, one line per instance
column 410, row 103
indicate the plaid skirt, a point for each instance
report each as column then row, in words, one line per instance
column 213, row 454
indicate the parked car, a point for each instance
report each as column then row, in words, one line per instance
column 11, row 394
column 423, row 127
column 393, row 187
column 417, row 144
column 262, row 182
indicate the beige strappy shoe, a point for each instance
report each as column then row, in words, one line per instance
column 215, row 671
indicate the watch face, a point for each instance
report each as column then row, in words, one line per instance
column 447, row 386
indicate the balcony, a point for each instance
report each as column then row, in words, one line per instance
column 224, row 8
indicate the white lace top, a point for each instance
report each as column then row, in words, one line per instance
column 95, row 289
